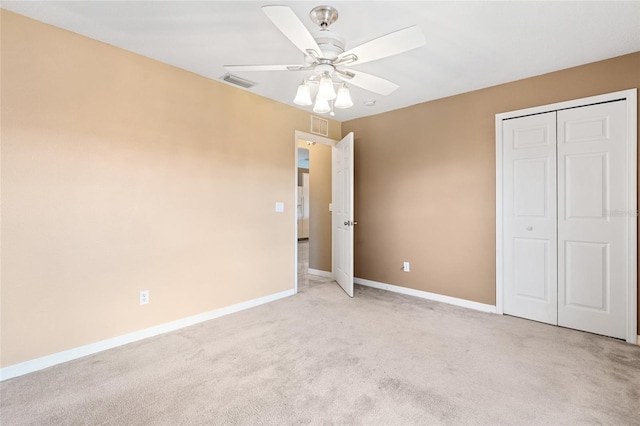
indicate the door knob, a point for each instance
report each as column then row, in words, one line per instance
column 346, row 223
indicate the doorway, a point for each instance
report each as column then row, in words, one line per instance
column 313, row 234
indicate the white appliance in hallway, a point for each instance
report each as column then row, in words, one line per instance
column 568, row 235
column 303, row 206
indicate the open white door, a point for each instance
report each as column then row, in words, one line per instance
column 342, row 188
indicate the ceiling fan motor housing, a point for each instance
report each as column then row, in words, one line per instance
column 330, row 43
column 323, row 15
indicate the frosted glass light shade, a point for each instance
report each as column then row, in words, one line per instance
column 326, row 90
column 343, row 99
column 303, row 95
column 321, row 106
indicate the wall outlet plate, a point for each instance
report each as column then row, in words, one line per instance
column 144, row 297
column 406, row 267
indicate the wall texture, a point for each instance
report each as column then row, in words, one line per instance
column 320, row 194
column 122, row 174
column 425, row 179
column 319, row 199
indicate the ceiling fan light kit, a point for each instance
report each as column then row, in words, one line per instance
column 343, row 99
column 326, row 94
column 321, row 106
column 303, row 95
column 325, row 56
column 325, row 91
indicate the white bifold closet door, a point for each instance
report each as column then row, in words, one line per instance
column 592, row 239
column 530, row 223
column 565, row 253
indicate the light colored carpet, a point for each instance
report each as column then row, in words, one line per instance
column 322, row 358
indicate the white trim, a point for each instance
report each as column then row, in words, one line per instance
column 632, row 222
column 92, row 348
column 300, row 135
column 499, row 233
column 320, row 273
column 607, row 97
column 295, row 214
column 630, row 96
column 429, row 296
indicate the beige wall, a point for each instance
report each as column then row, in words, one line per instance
column 320, row 194
column 319, row 199
column 425, row 180
column 120, row 174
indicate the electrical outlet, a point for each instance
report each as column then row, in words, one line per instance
column 144, row 297
column 406, row 267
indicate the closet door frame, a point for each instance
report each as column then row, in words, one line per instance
column 632, row 187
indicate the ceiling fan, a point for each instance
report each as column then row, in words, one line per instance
column 325, row 55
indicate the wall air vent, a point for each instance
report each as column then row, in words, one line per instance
column 238, row 81
column 319, row 126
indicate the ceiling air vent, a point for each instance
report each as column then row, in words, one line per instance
column 238, row 81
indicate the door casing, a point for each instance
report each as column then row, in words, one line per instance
column 300, row 135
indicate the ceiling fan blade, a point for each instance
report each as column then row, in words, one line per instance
column 265, row 67
column 388, row 45
column 292, row 27
column 369, row 82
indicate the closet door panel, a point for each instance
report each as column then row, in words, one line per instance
column 529, row 211
column 586, row 184
column 591, row 236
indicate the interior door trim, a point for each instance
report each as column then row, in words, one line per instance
column 630, row 96
column 300, row 135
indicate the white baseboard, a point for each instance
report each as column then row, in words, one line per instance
column 320, row 273
column 92, row 348
column 426, row 295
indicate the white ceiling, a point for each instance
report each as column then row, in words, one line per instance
column 470, row 45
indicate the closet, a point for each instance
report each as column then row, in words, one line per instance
column 567, row 218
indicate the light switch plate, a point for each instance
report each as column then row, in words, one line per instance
column 144, row 297
column 279, row 207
